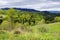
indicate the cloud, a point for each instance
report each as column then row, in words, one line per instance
column 55, row 0
column 3, row 3
column 34, row 4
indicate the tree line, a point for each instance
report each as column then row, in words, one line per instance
column 23, row 17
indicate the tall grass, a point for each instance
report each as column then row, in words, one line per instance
column 37, row 32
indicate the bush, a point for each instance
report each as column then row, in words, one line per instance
column 43, row 29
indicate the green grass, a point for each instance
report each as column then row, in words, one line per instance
column 52, row 32
column 29, row 36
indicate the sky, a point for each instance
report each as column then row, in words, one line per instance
column 32, row 4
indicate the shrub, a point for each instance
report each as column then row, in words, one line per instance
column 43, row 29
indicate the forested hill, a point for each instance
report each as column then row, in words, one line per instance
column 33, row 15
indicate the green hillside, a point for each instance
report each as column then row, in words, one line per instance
column 38, row 32
column 22, row 25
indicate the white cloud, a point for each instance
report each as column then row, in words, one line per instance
column 34, row 4
column 3, row 2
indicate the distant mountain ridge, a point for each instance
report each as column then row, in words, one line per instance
column 22, row 9
column 31, row 10
column 54, row 11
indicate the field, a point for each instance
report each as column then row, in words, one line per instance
column 38, row 32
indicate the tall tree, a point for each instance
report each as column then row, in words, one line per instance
column 12, row 13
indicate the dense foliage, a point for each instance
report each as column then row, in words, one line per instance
column 21, row 16
column 31, row 18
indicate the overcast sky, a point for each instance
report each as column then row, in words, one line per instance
column 33, row 4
